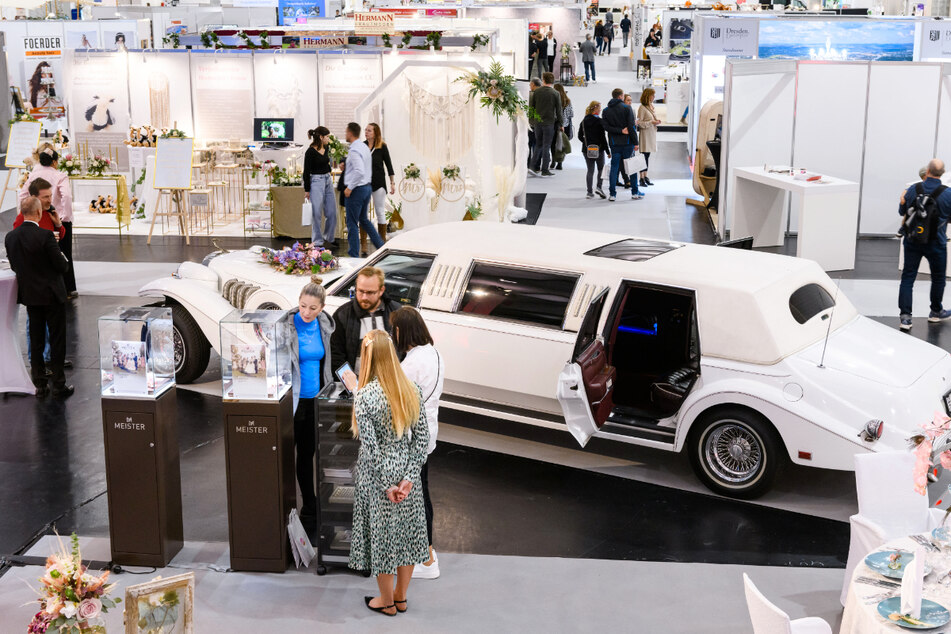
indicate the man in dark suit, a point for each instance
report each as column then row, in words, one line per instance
column 39, row 266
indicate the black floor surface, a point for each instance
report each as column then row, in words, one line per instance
column 51, row 466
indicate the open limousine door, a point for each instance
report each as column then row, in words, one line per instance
column 586, row 385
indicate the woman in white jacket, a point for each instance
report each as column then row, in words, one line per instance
column 424, row 366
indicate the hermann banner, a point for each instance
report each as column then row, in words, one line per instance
column 373, row 23
column 730, row 37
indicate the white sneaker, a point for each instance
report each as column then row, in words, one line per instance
column 421, row 571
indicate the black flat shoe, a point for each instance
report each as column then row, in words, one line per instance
column 63, row 393
column 67, row 364
column 405, row 606
column 380, row 610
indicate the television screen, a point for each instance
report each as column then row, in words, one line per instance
column 273, row 130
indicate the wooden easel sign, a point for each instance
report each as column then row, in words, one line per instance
column 24, row 137
column 173, row 164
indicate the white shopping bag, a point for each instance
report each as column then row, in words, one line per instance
column 635, row 164
column 300, row 543
column 306, row 213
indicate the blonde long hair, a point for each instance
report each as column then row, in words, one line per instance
column 379, row 361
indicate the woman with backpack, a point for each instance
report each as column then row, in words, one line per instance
column 594, row 144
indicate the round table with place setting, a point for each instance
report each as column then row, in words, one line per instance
column 874, row 602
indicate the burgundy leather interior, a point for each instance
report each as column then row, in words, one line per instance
column 599, row 377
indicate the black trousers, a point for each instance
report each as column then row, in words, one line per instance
column 66, row 246
column 427, row 501
column 52, row 316
column 305, row 443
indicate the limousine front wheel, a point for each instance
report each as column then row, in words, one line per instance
column 192, row 350
column 735, row 452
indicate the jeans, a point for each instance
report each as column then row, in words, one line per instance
column 324, row 208
column 937, row 256
column 600, row 42
column 50, row 318
column 543, row 66
column 592, row 164
column 608, row 41
column 543, row 138
column 589, row 66
column 357, row 205
column 46, row 348
column 625, row 34
column 305, row 442
column 618, row 154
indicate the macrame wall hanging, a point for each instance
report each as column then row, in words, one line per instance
column 441, row 127
column 159, row 115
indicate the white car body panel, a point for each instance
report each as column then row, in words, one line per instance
column 753, row 352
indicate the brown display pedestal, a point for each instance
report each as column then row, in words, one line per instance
column 143, row 479
column 259, row 449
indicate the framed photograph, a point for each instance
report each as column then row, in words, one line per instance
column 128, row 367
column 161, row 605
column 249, row 371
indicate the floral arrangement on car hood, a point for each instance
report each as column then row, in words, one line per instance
column 496, row 91
column 923, row 446
column 300, row 259
column 71, row 597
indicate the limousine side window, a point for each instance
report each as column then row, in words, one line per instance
column 404, row 274
column 535, row 297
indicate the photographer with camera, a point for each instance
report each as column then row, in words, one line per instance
column 926, row 207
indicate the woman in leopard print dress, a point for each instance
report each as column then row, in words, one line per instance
column 389, row 517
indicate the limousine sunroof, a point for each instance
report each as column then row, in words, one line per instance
column 633, row 249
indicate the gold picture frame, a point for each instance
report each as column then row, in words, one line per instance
column 149, row 606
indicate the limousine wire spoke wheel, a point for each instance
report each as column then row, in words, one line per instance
column 192, row 350
column 735, row 452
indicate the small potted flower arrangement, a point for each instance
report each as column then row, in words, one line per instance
column 300, row 259
column 70, row 164
column 98, row 165
column 71, row 598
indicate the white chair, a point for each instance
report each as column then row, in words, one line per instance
column 889, row 507
column 768, row 619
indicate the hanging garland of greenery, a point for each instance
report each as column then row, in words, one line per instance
column 172, row 38
column 479, row 39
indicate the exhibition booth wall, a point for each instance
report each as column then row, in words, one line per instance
column 873, row 123
column 719, row 36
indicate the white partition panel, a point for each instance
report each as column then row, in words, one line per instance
column 758, row 113
column 900, row 132
column 829, row 140
column 943, row 144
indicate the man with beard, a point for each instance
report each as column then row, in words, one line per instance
column 368, row 310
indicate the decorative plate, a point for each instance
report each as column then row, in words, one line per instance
column 932, row 614
column 879, row 561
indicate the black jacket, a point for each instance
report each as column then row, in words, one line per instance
column 599, row 30
column 345, row 342
column 39, row 265
column 615, row 118
column 591, row 131
column 625, row 25
column 381, row 165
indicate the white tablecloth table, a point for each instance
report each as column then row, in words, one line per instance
column 828, row 214
column 14, row 376
column 861, row 607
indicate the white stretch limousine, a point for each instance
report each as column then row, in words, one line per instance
column 744, row 359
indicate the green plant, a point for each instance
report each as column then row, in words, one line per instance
column 406, row 39
column 138, row 182
column 174, row 133
column 387, row 40
column 432, row 39
column 450, row 172
column 395, row 208
column 474, row 209
column 479, row 39
column 338, row 151
column 532, row 114
column 210, row 39
column 172, row 38
column 244, row 37
column 265, row 41
column 23, row 116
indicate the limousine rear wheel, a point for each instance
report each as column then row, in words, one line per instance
column 192, row 350
column 735, row 452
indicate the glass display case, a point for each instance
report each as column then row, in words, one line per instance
column 136, row 352
column 255, row 355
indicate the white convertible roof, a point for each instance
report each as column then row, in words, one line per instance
column 743, row 296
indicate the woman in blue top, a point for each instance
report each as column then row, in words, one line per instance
column 313, row 328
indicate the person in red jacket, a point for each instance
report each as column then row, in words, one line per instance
column 50, row 220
